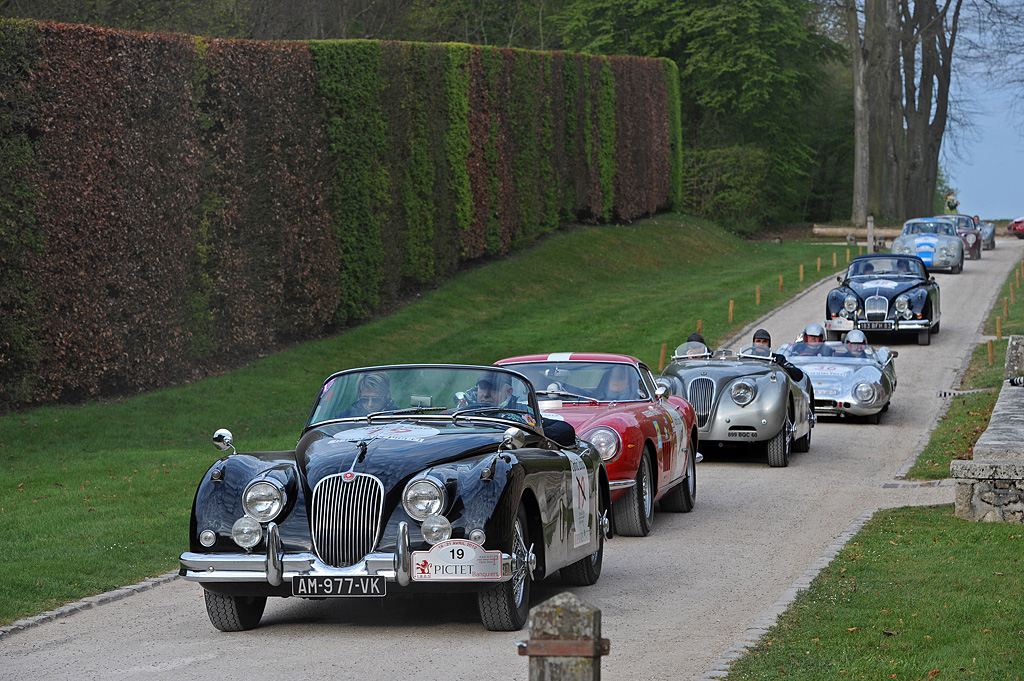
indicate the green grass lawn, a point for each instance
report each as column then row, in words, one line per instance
column 98, row 496
column 917, row 594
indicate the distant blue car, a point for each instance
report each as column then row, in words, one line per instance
column 934, row 240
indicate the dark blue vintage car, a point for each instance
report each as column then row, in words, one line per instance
column 411, row 478
column 884, row 292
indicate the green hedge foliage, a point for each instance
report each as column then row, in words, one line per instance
column 172, row 206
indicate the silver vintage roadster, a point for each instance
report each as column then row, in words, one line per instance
column 743, row 398
column 847, row 382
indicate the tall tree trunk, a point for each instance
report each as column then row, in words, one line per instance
column 860, row 115
column 928, row 35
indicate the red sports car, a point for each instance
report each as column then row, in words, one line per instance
column 646, row 437
column 1016, row 227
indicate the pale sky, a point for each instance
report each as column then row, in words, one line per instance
column 989, row 172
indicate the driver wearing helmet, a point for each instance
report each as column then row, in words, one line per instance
column 695, row 347
column 856, row 343
column 762, row 345
column 814, row 342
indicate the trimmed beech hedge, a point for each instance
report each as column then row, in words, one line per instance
column 173, row 205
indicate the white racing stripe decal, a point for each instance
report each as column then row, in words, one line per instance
column 559, row 356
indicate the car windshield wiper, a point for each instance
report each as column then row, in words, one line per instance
column 402, row 412
column 563, row 393
column 483, row 411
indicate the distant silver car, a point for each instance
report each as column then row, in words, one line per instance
column 934, row 240
column 988, row 235
column 847, row 383
column 743, row 398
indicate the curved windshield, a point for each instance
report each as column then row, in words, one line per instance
column 691, row 350
column 834, row 349
column 405, row 390
column 916, row 227
column 886, row 265
column 586, row 381
column 756, row 352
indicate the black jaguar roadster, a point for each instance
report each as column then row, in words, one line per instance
column 410, row 478
column 884, row 292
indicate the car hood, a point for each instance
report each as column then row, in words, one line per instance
column 583, row 416
column 393, row 451
column 719, row 370
column 890, row 288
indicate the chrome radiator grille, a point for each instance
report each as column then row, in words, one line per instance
column 876, row 307
column 346, row 517
column 701, row 395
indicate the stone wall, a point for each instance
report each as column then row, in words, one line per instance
column 991, row 486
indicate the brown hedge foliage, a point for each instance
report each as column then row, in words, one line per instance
column 118, row 160
column 185, row 193
column 273, row 263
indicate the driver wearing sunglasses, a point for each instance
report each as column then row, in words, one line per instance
column 374, row 394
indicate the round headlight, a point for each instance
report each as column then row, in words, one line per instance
column 263, row 500
column 246, row 532
column 207, row 538
column 742, row 392
column 864, row 392
column 423, row 497
column 436, row 529
column 971, row 238
column 902, row 303
column 605, row 440
column 944, row 252
column 850, row 304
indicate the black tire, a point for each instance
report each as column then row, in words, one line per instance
column 586, row 571
column 958, row 268
column 875, row 418
column 935, row 329
column 779, row 446
column 924, row 337
column 681, row 498
column 506, row 605
column 634, row 510
column 234, row 613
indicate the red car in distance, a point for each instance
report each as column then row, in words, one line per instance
column 1016, row 227
column 646, row 437
column 968, row 232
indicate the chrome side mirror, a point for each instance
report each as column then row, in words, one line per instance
column 223, row 440
column 660, row 392
column 515, row 438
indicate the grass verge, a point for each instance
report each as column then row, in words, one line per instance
column 98, row 496
column 917, row 594
column 968, row 415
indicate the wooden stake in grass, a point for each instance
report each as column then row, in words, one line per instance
column 860, row 249
column 801, row 274
column 991, row 355
column 780, row 283
column 819, row 264
column 834, row 259
column 999, row 328
column 757, row 294
column 664, row 346
column 698, row 326
column 847, row 255
column 730, row 311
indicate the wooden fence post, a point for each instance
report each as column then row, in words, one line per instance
column 801, row 273
column 834, row 259
column 999, row 328
column 847, row 255
column 819, row 263
column 565, row 640
column 661, row 361
column 757, row 294
column 780, row 283
column 730, row 311
column 698, row 326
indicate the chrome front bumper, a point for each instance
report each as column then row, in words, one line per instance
column 275, row 566
column 840, row 324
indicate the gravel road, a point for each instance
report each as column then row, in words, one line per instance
column 673, row 604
